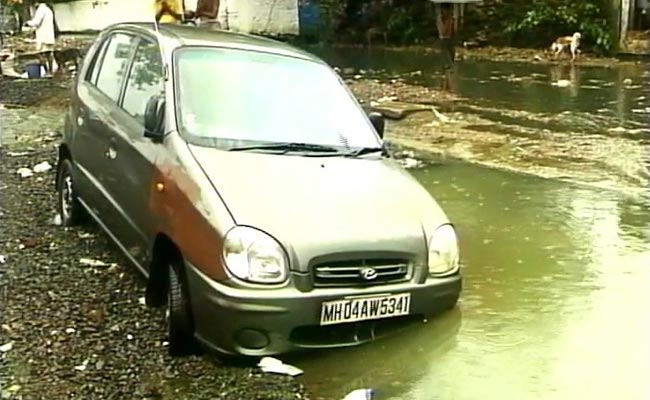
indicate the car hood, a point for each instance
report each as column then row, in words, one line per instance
column 318, row 206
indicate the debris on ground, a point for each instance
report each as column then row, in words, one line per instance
column 360, row 394
column 89, row 262
column 24, row 172
column 275, row 366
column 6, row 347
column 42, row 167
column 562, row 83
column 56, row 220
column 3, row 259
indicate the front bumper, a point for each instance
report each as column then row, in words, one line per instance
column 259, row 322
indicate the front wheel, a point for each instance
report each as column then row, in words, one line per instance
column 180, row 324
column 68, row 207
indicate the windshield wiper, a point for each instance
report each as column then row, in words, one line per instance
column 367, row 150
column 289, row 146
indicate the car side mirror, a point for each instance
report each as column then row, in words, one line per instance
column 377, row 120
column 154, row 118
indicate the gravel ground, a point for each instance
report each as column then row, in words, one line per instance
column 72, row 331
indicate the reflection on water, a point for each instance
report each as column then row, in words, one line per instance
column 556, row 301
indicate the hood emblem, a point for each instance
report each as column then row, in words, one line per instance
column 368, row 274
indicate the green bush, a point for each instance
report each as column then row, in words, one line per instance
column 548, row 19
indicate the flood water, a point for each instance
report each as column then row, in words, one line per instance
column 584, row 123
column 556, row 303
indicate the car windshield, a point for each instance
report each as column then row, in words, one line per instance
column 244, row 99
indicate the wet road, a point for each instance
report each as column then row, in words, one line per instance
column 556, row 302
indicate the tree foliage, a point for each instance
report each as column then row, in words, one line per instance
column 546, row 19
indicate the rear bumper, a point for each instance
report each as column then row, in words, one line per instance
column 258, row 322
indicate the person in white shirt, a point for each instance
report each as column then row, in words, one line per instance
column 43, row 22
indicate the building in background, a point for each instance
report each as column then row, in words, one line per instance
column 272, row 17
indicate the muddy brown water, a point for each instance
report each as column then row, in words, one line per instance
column 556, row 303
column 555, row 306
column 593, row 120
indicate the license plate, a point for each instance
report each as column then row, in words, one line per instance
column 362, row 309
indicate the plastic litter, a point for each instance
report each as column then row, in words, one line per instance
column 360, row 394
column 89, row 262
column 275, row 366
column 24, row 172
column 3, row 259
column 56, row 220
column 562, row 83
column 42, row 167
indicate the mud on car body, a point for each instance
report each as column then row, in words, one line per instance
column 246, row 183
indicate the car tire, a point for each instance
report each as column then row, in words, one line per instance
column 68, row 206
column 180, row 323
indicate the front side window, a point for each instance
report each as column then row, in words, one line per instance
column 114, row 65
column 227, row 98
column 145, row 79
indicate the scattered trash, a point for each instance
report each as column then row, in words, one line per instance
column 70, row 331
column 24, row 172
column 18, row 153
column 562, row 83
column 439, row 115
column 85, row 235
column 89, row 262
column 538, row 58
column 3, row 259
column 410, row 163
column 13, row 388
column 56, row 220
column 99, row 365
column 360, row 394
column 42, row 167
column 142, row 301
column 275, row 366
column 358, row 77
column 82, row 367
column 6, row 347
column 627, row 81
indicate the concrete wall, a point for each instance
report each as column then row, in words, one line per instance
column 278, row 17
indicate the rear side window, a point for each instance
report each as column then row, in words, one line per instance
column 114, row 64
column 145, row 79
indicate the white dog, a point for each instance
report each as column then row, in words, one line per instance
column 570, row 42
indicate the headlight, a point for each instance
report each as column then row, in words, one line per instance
column 443, row 251
column 254, row 256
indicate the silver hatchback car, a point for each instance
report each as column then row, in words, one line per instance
column 244, row 180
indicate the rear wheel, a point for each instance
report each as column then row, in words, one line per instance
column 180, row 324
column 69, row 208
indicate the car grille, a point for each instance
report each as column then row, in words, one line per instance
column 363, row 272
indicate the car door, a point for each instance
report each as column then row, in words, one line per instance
column 130, row 170
column 98, row 95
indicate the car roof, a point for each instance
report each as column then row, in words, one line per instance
column 175, row 36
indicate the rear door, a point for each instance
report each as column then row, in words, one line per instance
column 99, row 95
column 130, row 171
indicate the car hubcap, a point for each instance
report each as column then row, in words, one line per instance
column 66, row 197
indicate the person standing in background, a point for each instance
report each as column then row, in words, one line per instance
column 207, row 13
column 43, row 22
column 169, row 11
column 445, row 22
